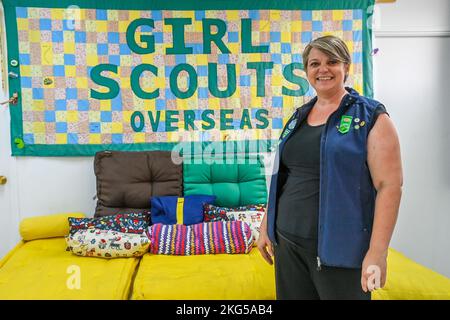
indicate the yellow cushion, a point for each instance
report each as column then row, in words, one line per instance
column 216, row 277
column 409, row 280
column 42, row 269
column 48, row 226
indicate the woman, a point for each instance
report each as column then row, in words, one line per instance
column 334, row 200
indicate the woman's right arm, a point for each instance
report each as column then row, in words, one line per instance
column 264, row 244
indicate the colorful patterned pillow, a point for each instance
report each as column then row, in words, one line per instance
column 107, row 243
column 203, row 238
column 252, row 215
column 213, row 213
column 123, row 222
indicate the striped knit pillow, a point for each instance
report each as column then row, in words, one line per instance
column 202, row 238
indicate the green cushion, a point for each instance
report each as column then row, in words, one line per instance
column 233, row 184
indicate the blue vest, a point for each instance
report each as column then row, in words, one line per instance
column 347, row 195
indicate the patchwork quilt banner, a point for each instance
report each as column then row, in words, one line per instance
column 164, row 74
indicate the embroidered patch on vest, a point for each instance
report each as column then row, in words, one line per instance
column 345, row 124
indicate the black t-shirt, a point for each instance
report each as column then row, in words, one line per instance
column 298, row 203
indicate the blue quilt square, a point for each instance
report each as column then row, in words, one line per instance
column 277, row 102
column 24, row 59
column 22, row 12
column 69, row 59
column 72, row 138
column 347, row 25
column 317, row 26
column 113, row 37
column 57, row 36
column 38, row 93
column 306, row 15
column 102, row 49
column 45, row 24
column 101, row 14
column 71, row 93
column 94, row 127
column 80, row 37
column 105, row 116
column 117, row 138
column 49, row 116
column 61, row 127
column 60, row 105
column 58, row 70
column 277, row 123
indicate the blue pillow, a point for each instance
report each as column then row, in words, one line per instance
column 164, row 209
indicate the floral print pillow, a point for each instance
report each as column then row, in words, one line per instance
column 107, row 243
column 136, row 223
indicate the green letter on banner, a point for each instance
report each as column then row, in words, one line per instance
column 289, row 75
column 208, row 37
column 246, row 38
column 104, row 81
column 139, row 115
column 170, row 120
column 260, row 68
column 245, row 119
column 150, row 40
column 178, row 35
column 213, row 81
column 135, row 85
column 224, row 120
column 208, row 120
column 258, row 116
column 192, row 81
column 189, row 118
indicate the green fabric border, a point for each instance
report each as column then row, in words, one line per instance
column 195, row 4
column 367, row 54
column 89, row 150
column 41, row 150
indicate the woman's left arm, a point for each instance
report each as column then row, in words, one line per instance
column 384, row 161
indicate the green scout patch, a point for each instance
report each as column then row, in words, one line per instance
column 344, row 126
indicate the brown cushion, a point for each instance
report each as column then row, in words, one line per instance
column 127, row 180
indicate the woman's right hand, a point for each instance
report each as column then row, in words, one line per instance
column 265, row 246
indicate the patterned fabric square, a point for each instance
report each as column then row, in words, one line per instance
column 213, row 213
column 203, row 238
column 107, row 243
column 136, row 223
column 252, row 215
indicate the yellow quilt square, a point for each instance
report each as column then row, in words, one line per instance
column 34, row 36
column 117, row 127
column 82, row 82
column 61, row 138
column 57, row 14
column 338, row 15
column 38, row 127
column 95, row 138
column 139, row 137
column 72, row 116
column 22, row 24
column 71, row 71
column 102, row 26
column 69, row 47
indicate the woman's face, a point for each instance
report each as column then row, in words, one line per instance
column 324, row 73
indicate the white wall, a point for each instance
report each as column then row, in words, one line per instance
column 411, row 73
column 410, row 78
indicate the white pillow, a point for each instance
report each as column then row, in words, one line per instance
column 251, row 217
column 107, row 243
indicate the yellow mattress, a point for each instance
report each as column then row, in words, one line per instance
column 408, row 280
column 215, row 277
column 42, row 269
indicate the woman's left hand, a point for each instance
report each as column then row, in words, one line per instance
column 373, row 273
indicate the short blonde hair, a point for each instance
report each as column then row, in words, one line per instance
column 332, row 46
